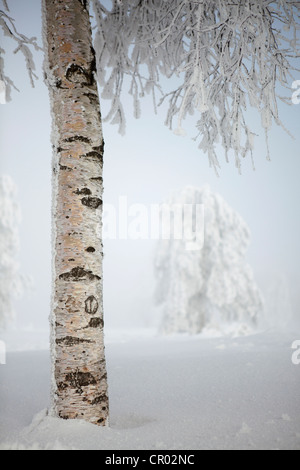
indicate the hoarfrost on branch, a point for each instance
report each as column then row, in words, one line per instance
column 216, row 57
column 221, row 56
column 23, row 45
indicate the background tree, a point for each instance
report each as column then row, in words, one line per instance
column 12, row 283
column 220, row 57
column 212, row 285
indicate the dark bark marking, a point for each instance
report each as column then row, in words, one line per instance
column 62, row 386
column 79, row 274
column 58, row 84
column 94, row 154
column 92, row 202
column 100, row 148
column 93, row 62
column 96, row 323
column 91, row 305
column 90, row 249
column 77, row 74
column 100, row 399
column 93, row 98
column 78, row 138
column 99, row 179
column 83, row 191
column 78, row 380
column 71, row 341
column 64, row 168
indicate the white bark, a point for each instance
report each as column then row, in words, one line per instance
column 79, row 370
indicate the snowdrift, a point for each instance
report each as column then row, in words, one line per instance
column 179, row 392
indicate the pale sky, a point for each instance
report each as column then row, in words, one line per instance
column 145, row 165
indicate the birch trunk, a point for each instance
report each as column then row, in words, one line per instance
column 79, row 368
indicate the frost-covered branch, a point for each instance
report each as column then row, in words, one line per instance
column 221, row 56
column 122, row 52
column 23, row 45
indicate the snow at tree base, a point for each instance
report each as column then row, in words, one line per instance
column 212, row 286
column 178, row 392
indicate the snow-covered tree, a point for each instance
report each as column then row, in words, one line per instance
column 218, row 56
column 212, row 284
column 222, row 57
column 12, row 283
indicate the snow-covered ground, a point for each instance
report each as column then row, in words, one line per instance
column 180, row 392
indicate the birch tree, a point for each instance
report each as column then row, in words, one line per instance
column 219, row 57
column 79, row 364
column 212, row 286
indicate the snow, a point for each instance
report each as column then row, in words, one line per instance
column 178, row 392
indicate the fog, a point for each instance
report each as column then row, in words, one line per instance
column 145, row 166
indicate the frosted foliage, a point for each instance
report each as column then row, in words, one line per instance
column 223, row 56
column 211, row 286
column 11, row 282
column 23, row 45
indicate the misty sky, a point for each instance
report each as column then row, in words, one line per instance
column 145, row 165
